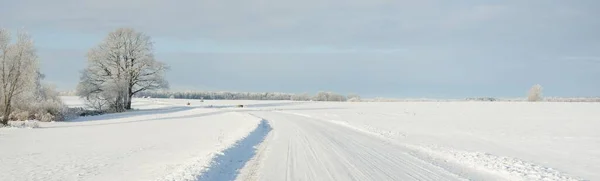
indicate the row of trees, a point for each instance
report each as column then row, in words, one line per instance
column 216, row 95
column 222, row 95
column 23, row 96
column 533, row 95
column 118, row 68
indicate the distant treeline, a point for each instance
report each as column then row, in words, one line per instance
column 546, row 99
column 223, row 95
column 324, row 96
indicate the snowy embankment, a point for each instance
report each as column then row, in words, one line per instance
column 511, row 140
column 157, row 142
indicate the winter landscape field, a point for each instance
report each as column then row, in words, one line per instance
column 165, row 139
column 311, row 90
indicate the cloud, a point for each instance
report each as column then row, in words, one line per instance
column 376, row 24
column 379, row 23
column 592, row 59
column 367, row 46
column 475, row 15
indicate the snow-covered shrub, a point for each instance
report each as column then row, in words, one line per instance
column 43, row 103
column 24, row 124
column 72, row 113
column 22, row 115
column 329, row 96
column 300, row 97
column 353, row 98
column 45, row 117
column 12, row 116
column 491, row 99
column 56, row 109
column 535, row 93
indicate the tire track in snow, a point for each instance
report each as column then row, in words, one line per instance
column 472, row 165
column 319, row 150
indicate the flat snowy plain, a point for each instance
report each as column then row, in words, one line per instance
column 283, row 140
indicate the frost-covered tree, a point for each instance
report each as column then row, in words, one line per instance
column 209, row 95
column 535, row 93
column 18, row 69
column 301, row 97
column 329, row 96
column 120, row 67
column 353, row 98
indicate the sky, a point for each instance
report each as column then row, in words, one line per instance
column 374, row 48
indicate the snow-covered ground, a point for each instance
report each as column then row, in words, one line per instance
column 154, row 143
column 165, row 139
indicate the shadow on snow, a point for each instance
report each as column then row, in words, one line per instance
column 109, row 116
column 227, row 166
column 141, row 120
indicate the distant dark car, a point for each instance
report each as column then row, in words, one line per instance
column 239, row 105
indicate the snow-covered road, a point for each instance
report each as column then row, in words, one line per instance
column 301, row 148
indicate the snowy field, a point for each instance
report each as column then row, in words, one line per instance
column 165, row 139
column 158, row 142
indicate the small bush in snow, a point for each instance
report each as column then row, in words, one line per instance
column 41, row 104
column 24, row 124
column 91, row 113
column 71, row 113
column 491, row 99
column 300, row 97
column 46, row 117
column 535, row 93
column 329, row 96
column 354, row 99
column 22, row 116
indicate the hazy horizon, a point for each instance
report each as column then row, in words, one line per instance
column 381, row 48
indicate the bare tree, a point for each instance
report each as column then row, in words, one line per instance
column 535, row 93
column 119, row 67
column 18, row 69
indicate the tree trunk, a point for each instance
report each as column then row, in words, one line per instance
column 6, row 115
column 128, row 105
column 129, row 97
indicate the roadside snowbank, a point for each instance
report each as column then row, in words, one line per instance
column 228, row 164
